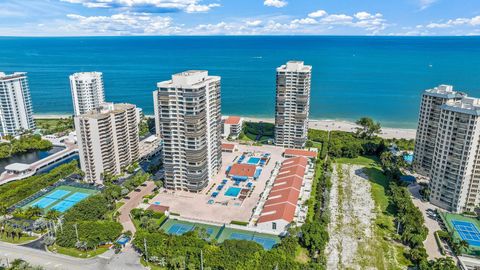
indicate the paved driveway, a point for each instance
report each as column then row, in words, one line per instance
column 432, row 225
column 135, row 199
column 127, row 260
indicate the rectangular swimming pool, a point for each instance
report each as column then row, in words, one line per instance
column 233, row 191
column 253, row 160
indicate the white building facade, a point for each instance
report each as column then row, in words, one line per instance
column 16, row 113
column 455, row 170
column 292, row 104
column 188, row 119
column 107, row 140
column 428, row 122
column 87, row 91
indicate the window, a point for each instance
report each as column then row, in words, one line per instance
column 274, row 225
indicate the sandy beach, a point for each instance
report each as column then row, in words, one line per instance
column 387, row 133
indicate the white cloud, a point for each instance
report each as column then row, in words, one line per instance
column 152, row 6
column 426, row 3
column 275, row 3
column 124, row 24
column 254, row 23
column 337, row 19
column 305, row 21
column 317, row 14
column 468, row 22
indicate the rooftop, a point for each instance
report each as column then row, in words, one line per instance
column 445, row 91
column 189, row 78
column 233, row 120
column 106, row 109
column 467, row 105
column 4, row 76
column 284, row 211
column 300, row 152
column 243, row 170
column 296, row 66
column 17, row 167
column 228, row 146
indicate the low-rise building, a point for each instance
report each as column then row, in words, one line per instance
column 232, row 126
column 281, row 207
column 229, row 147
column 289, row 153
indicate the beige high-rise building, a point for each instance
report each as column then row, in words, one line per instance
column 292, row 104
column 107, row 140
column 455, row 169
column 428, row 121
column 188, row 119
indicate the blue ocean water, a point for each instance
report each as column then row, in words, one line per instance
column 380, row 77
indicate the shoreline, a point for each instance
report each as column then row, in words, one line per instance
column 325, row 124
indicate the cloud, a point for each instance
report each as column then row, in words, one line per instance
column 148, row 6
column 124, row 24
column 317, row 14
column 468, row 22
column 426, row 3
column 305, row 21
column 275, row 3
column 254, row 23
column 337, row 19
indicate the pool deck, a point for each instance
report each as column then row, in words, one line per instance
column 194, row 206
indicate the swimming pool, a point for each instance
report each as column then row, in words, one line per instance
column 233, row 191
column 253, row 160
column 408, row 158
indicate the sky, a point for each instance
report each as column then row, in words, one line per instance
column 239, row 17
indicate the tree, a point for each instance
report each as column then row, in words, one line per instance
column 443, row 264
column 368, row 128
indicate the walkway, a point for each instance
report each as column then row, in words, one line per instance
column 135, row 199
column 432, row 225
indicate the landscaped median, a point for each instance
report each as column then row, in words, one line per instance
column 79, row 253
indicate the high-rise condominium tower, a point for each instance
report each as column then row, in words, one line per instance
column 107, row 139
column 87, row 91
column 188, row 119
column 16, row 113
column 292, row 104
column 428, row 121
column 455, row 169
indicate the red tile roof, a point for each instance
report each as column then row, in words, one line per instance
column 300, row 152
column 242, row 170
column 291, row 171
column 287, row 182
column 296, row 161
column 158, row 208
column 289, row 195
column 232, row 120
column 228, row 146
column 283, row 211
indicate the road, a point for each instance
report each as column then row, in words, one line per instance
column 432, row 225
column 135, row 199
column 127, row 260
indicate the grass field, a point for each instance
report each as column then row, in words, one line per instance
column 50, row 126
column 387, row 254
column 16, row 240
column 77, row 253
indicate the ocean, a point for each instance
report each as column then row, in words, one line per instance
column 379, row 77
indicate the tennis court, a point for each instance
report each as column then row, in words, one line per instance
column 61, row 198
column 467, row 231
column 463, row 228
column 179, row 227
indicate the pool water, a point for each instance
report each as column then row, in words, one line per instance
column 233, row 191
column 408, row 158
column 253, row 160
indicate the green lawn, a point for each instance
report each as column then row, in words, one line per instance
column 386, row 253
column 50, row 126
column 73, row 252
column 16, row 240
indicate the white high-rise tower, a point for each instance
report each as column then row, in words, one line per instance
column 188, row 119
column 16, row 113
column 292, row 104
column 87, row 91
